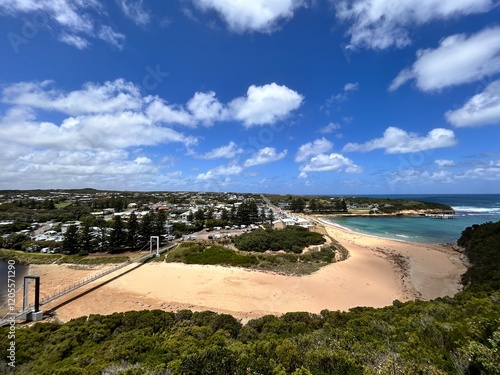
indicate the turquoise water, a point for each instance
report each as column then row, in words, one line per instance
column 470, row 209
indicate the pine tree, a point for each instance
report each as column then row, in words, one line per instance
column 133, row 229
column 146, row 229
column 118, row 235
column 70, row 244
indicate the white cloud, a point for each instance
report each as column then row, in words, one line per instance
column 415, row 177
column 265, row 104
column 112, row 96
column 160, row 111
column 66, row 168
column 228, row 151
column 206, row 108
column 255, row 15
column 74, row 40
column 74, row 20
column 398, row 141
column 444, row 163
column 316, row 147
column 330, row 128
column 134, row 10
column 380, row 24
column 458, row 59
column 264, row 156
column 122, row 130
column 262, row 105
column 481, row 109
column 104, row 116
column 340, row 97
column 329, row 162
column 351, row 86
column 52, row 138
column 109, row 35
column 490, row 172
column 222, row 170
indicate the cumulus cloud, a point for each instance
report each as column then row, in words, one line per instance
column 222, row 170
column 265, row 104
column 206, row 108
column 110, row 97
column 228, row 151
column 249, row 16
column 264, row 156
column 313, row 148
column 458, row 59
column 108, row 116
column 52, row 168
column 444, row 163
column 159, row 110
column 481, row 109
column 398, row 141
column 489, row 172
column 329, row 162
column 75, row 21
column 314, row 158
column 110, row 123
column 380, row 24
column 262, row 105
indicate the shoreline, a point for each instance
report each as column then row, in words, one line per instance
column 405, row 239
column 377, row 272
column 415, row 255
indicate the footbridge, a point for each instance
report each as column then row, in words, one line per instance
column 33, row 312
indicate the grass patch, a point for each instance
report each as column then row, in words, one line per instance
column 62, row 204
column 28, row 258
column 93, row 260
column 37, row 258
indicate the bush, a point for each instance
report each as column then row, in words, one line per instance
column 290, row 239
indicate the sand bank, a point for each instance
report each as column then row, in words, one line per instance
column 377, row 272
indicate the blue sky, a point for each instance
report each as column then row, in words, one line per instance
column 282, row 96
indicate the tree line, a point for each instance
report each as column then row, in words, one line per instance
column 97, row 235
column 244, row 214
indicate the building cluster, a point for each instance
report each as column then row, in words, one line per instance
column 177, row 207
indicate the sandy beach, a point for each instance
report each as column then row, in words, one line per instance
column 377, row 272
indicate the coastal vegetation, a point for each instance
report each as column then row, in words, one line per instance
column 292, row 238
column 284, row 263
column 459, row 335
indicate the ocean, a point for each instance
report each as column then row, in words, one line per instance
column 470, row 209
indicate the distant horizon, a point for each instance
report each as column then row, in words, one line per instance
column 245, row 192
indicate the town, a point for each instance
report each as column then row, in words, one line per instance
column 91, row 221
